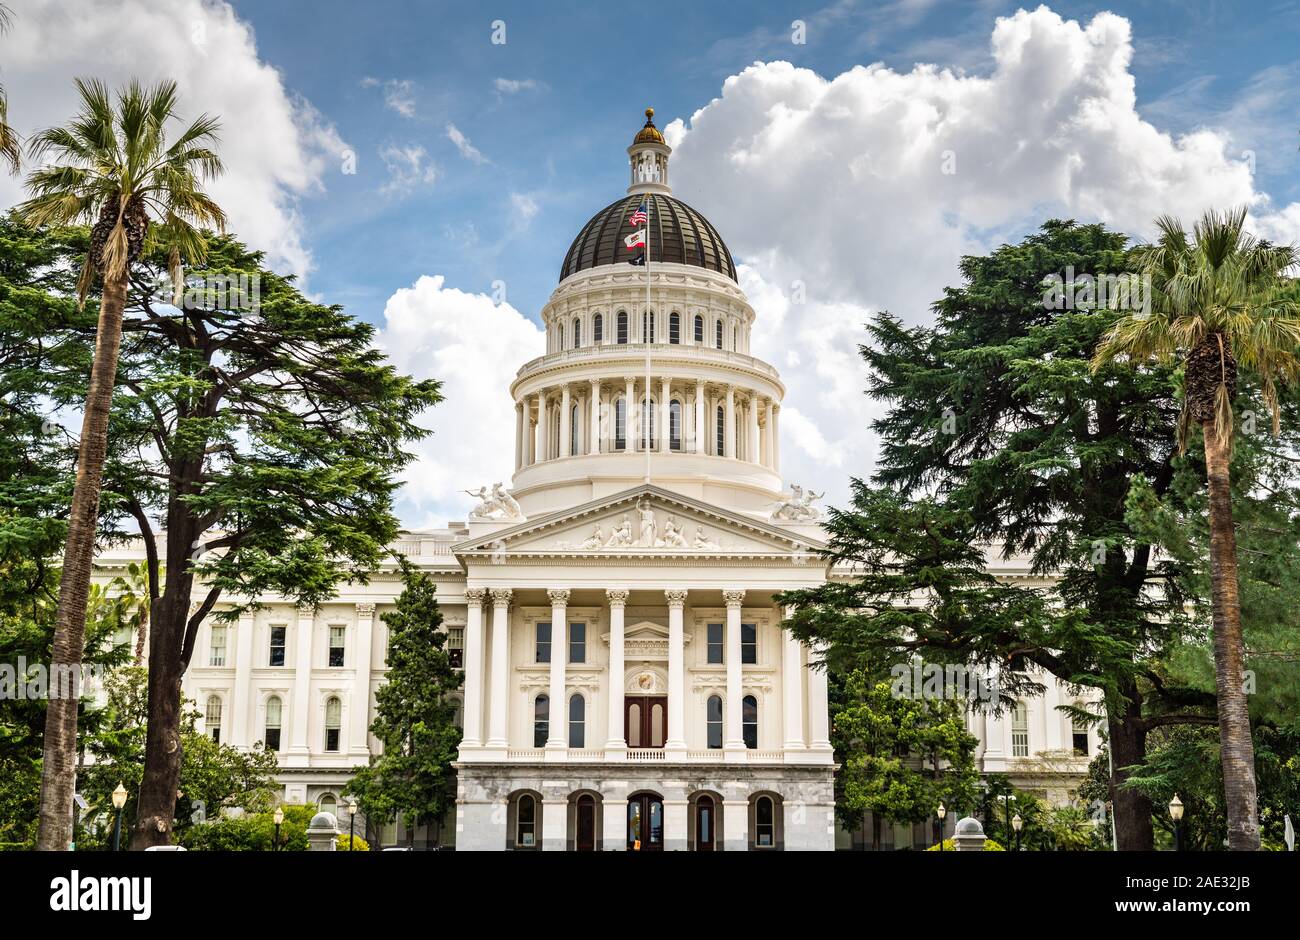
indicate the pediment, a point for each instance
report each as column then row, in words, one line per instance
column 644, row 521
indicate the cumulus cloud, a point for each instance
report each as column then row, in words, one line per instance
column 860, row 192
column 399, row 94
column 409, row 168
column 277, row 148
column 467, row 150
column 474, row 346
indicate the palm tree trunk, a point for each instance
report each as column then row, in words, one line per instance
column 58, row 770
column 1237, row 750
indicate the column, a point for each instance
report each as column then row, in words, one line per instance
column 521, row 446
column 735, row 824
column 615, row 813
column 360, row 712
column 630, row 410
column 769, row 421
column 566, row 416
column 665, row 436
column 616, row 745
column 530, row 432
column 1053, row 737
column 819, row 712
column 558, row 739
column 543, row 429
column 729, row 439
column 472, row 735
column 593, row 418
column 752, row 444
column 701, row 428
column 555, row 825
column 776, row 439
column 734, row 737
column 676, row 672
column 792, row 689
column 243, row 653
column 676, row 808
column 500, row 678
column 302, row 640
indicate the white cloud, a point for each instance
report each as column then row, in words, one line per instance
column 399, row 94
column 869, row 186
column 408, row 168
column 473, row 346
column 277, row 148
column 513, row 86
column 467, row 150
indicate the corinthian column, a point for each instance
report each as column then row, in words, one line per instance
column 360, row 716
column 566, row 416
column 616, row 743
column 729, row 438
column 499, row 691
column 593, row 418
column 752, row 444
column 302, row 682
column 676, row 672
column 472, row 735
column 700, row 426
column 543, row 429
column 665, row 435
column 558, row 738
column 735, row 736
column 819, row 713
column 792, row 688
column 631, row 423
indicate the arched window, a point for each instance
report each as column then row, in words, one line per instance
column 749, row 721
column 559, row 336
column 577, row 722
column 274, row 711
column 212, row 718
column 675, row 425
column 674, row 327
column 647, row 423
column 577, row 334
column 717, row 334
column 541, row 721
column 622, row 326
column 699, row 330
column 328, row 803
column 575, row 427
column 764, row 823
column 333, row 723
column 713, row 721
column 620, row 424
column 526, row 822
column 722, row 432
column 598, row 328
column 647, row 327
column 1019, row 730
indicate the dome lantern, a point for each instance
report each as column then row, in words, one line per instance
column 648, row 159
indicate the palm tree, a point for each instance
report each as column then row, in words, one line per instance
column 111, row 167
column 1220, row 300
column 9, row 151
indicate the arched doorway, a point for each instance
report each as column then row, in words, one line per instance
column 645, row 822
column 585, row 829
column 706, row 824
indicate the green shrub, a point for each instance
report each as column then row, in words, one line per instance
column 989, row 846
column 358, row 844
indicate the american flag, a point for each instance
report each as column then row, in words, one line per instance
column 638, row 217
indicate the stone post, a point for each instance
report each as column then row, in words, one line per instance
column 323, row 833
column 969, row 835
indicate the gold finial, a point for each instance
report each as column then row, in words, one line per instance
column 649, row 114
column 649, row 133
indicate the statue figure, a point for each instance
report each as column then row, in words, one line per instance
column 485, row 507
column 702, row 540
column 621, row 535
column 494, row 504
column 507, row 503
column 673, row 537
column 797, row 506
column 593, row 541
column 647, row 539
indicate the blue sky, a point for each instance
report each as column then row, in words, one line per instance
column 595, row 66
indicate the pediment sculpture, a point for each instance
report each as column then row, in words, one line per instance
column 496, row 503
column 797, row 506
column 646, row 532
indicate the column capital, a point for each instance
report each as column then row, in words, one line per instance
column 676, row 598
column 306, row 613
column 617, row 597
column 734, row 598
column 366, row 611
column 475, row 596
column 501, row 596
column 558, row 595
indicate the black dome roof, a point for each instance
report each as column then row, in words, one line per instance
column 677, row 233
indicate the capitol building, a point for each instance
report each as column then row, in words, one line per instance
column 628, row 684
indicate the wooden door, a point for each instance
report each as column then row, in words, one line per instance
column 645, row 720
column 706, row 824
column 586, row 835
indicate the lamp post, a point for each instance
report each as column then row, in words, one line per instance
column 277, row 817
column 119, row 801
column 941, row 812
column 352, row 822
column 1176, row 814
column 1017, row 824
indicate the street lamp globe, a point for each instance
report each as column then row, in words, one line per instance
column 1016, row 822
column 119, row 796
column 942, row 811
column 1176, row 809
column 278, row 815
column 352, row 807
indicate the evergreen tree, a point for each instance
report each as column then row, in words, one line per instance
column 415, row 718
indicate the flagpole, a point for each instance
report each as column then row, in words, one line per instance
column 648, row 327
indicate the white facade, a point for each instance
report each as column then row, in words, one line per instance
column 627, row 576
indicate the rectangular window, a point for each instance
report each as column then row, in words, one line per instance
column 276, row 657
column 716, row 644
column 337, row 635
column 543, row 646
column 577, row 642
column 699, row 330
column 1019, row 730
column 331, row 739
column 456, row 646
column 217, row 645
column 749, row 643
column 1079, row 733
